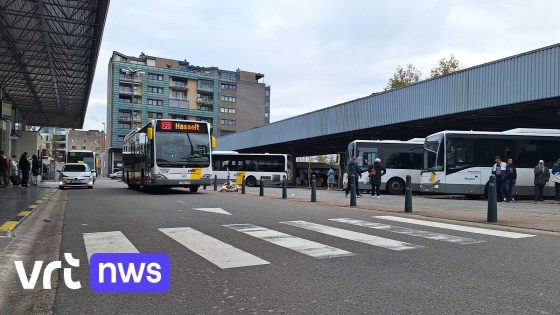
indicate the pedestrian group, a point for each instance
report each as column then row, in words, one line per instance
column 17, row 171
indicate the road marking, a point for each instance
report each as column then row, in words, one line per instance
column 214, row 210
column 107, row 242
column 215, row 251
column 353, row 236
column 410, row 232
column 456, row 227
column 300, row 245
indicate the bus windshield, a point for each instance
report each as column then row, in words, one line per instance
column 433, row 154
column 182, row 149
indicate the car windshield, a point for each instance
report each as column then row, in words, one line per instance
column 182, row 149
column 74, row 168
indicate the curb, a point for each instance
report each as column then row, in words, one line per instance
column 7, row 228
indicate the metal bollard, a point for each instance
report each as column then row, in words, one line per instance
column 352, row 184
column 243, row 185
column 313, row 189
column 408, row 194
column 204, row 186
column 261, row 188
column 492, row 200
column 284, row 188
column 215, row 182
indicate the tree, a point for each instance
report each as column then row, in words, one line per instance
column 445, row 67
column 321, row 158
column 403, row 77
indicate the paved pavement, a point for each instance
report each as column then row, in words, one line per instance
column 14, row 200
column 270, row 255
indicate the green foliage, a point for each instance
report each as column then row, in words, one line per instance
column 445, row 67
column 403, row 77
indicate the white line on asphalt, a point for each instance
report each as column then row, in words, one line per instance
column 456, row 227
column 297, row 244
column 353, row 236
column 411, row 232
column 215, row 210
column 215, row 251
column 107, row 242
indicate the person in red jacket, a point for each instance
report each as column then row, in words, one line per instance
column 4, row 167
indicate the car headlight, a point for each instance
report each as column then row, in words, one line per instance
column 159, row 176
column 61, row 183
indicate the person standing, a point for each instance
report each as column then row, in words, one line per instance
column 511, row 178
column 4, row 168
column 35, row 169
column 353, row 169
column 542, row 175
column 14, row 172
column 330, row 178
column 556, row 172
column 24, row 167
column 499, row 170
column 375, row 172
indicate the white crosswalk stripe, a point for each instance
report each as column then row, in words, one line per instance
column 456, row 227
column 354, row 236
column 300, row 245
column 215, row 251
column 107, row 242
column 410, row 232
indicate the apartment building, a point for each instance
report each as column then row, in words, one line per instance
column 145, row 87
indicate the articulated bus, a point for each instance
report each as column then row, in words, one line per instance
column 168, row 153
column 270, row 167
column 400, row 158
column 460, row 162
column 83, row 156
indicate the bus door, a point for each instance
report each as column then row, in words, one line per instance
column 365, row 157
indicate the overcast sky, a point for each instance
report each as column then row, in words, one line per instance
column 320, row 53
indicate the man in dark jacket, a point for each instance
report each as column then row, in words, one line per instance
column 353, row 169
column 4, row 167
column 542, row 175
column 375, row 172
column 511, row 178
column 24, row 167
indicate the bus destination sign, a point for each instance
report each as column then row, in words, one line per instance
column 169, row 125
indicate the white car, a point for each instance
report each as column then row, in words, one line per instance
column 115, row 175
column 75, row 175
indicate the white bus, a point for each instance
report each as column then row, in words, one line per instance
column 400, row 158
column 270, row 167
column 460, row 162
column 83, row 156
column 168, row 153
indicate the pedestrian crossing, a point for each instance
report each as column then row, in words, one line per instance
column 225, row 256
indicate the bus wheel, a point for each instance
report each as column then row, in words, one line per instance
column 251, row 181
column 395, row 186
column 193, row 189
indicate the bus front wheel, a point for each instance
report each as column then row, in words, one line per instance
column 193, row 189
column 395, row 186
column 251, row 181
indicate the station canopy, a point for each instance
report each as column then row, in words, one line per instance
column 48, row 54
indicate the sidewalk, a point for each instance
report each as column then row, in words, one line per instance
column 14, row 200
column 522, row 214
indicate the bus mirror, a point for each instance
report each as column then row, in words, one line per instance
column 150, row 133
column 213, row 142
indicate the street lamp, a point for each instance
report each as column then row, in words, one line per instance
column 132, row 73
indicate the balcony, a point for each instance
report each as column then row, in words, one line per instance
column 203, row 100
column 178, row 85
column 178, row 103
column 205, row 88
column 128, row 91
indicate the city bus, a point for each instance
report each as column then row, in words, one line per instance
column 83, row 156
column 271, row 168
column 460, row 162
column 400, row 158
column 167, row 153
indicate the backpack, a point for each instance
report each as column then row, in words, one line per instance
column 373, row 172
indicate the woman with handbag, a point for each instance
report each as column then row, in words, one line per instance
column 375, row 172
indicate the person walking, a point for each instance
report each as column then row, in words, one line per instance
column 375, row 172
column 556, row 173
column 499, row 170
column 542, row 175
column 353, row 169
column 24, row 167
column 511, row 178
column 35, row 169
column 14, row 171
column 4, row 168
column 330, row 178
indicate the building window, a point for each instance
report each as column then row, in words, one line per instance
column 124, row 125
column 266, row 115
column 228, row 76
column 155, row 102
column 267, row 93
column 204, row 98
column 155, row 89
column 206, row 85
column 227, row 110
column 97, row 141
column 97, row 148
column 73, row 147
column 155, row 115
column 124, row 115
column 228, row 98
column 178, row 103
column 180, row 95
column 226, row 132
column 153, row 76
column 183, row 117
column 204, row 119
column 204, row 108
column 229, row 87
column 229, row 122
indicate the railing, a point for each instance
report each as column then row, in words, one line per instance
column 206, row 88
column 178, row 84
column 178, row 103
column 205, row 100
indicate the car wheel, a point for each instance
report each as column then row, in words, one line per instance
column 193, row 189
column 90, row 187
column 61, row 187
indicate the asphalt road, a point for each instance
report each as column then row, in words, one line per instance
column 493, row 275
